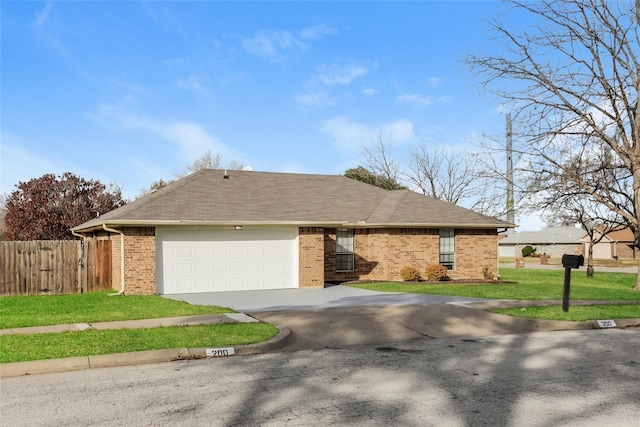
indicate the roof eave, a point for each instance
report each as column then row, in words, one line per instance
column 357, row 224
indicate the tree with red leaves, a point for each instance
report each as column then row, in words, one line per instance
column 46, row 208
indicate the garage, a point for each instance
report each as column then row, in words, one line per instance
column 193, row 259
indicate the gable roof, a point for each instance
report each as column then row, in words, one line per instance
column 552, row 235
column 621, row 234
column 216, row 197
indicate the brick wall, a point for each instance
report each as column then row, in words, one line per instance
column 625, row 250
column 311, row 256
column 140, row 260
column 476, row 250
column 380, row 254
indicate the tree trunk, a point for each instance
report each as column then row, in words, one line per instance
column 636, row 234
column 590, row 256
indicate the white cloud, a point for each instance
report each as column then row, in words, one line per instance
column 340, row 73
column 191, row 138
column 272, row 45
column 399, row 131
column 316, row 32
column 316, row 90
column 350, row 136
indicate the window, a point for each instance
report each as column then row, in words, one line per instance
column 344, row 249
column 447, row 248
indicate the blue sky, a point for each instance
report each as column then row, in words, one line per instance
column 131, row 92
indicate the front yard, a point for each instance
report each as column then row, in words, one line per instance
column 532, row 284
column 16, row 312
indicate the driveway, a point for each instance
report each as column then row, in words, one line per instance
column 313, row 298
column 340, row 316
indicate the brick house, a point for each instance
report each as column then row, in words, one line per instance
column 619, row 243
column 243, row 230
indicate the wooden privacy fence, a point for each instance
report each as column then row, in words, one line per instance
column 54, row 267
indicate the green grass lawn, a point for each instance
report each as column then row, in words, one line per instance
column 528, row 284
column 531, row 284
column 20, row 348
column 575, row 313
column 94, row 307
column 22, row 311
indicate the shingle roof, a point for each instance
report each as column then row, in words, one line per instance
column 619, row 235
column 260, row 198
column 554, row 235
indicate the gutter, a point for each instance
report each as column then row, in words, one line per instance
column 112, row 230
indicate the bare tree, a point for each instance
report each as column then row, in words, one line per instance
column 379, row 161
column 573, row 78
column 455, row 176
column 209, row 161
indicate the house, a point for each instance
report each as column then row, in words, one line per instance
column 618, row 243
column 554, row 241
column 244, row 230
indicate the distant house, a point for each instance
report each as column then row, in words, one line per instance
column 553, row 241
column 240, row 230
column 616, row 244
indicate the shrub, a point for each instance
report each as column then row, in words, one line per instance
column 436, row 272
column 410, row 274
column 528, row 251
column 487, row 273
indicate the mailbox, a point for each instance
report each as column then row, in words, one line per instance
column 572, row 261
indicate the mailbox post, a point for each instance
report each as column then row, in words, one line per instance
column 569, row 262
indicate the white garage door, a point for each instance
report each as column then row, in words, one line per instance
column 601, row 250
column 191, row 260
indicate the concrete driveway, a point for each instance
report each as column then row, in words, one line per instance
column 313, row 298
column 340, row 316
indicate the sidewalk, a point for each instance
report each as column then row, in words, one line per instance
column 205, row 319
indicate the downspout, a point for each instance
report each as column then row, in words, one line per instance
column 112, row 230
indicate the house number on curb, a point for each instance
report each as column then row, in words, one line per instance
column 220, row 352
column 606, row 323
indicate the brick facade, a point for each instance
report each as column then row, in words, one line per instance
column 380, row 254
column 476, row 252
column 140, row 260
column 311, row 256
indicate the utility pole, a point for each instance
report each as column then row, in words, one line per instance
column 511, row 215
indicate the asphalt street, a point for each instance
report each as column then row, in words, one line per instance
column 569, row 378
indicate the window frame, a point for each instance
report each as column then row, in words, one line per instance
column 345, row 253
column 447, row 248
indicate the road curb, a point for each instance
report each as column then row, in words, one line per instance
column 35, row 367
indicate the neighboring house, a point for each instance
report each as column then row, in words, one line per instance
column 242, row 230
column 554, row 241
column 615, row 244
